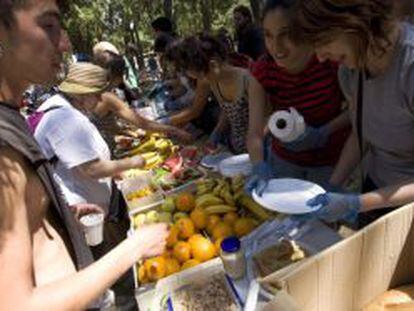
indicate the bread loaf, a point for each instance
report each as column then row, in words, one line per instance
column 400, row 299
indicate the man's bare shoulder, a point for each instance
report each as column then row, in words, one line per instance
column 14, row 174
column 13, row 167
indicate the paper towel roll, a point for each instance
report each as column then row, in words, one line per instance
column 286, row 126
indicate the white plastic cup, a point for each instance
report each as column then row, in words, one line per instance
column 93, row 225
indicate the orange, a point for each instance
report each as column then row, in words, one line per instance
column 222, row 230
column 182, row 251
column 194, row 239
column 202, row 249
column 142, row 275
column 171, row 266
column 243, row 226
column 230, row 218
column 185, row 228
column 155, row 268
column 199, row 218
column 167, row 254
column 190, row 263
column 212, row 221
column 185, row 202
column 173, row 236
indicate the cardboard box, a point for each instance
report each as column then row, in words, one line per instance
column 352, row 273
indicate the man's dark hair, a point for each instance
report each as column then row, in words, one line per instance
column 116, row 67
column 196, row 52
column 7, row 8
column 163, row 24
column 245, row 11
column 162, row 42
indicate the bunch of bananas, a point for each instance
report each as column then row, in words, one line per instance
column 214, row 205
column 220, row 196
column 249, row 204
column 155, row 150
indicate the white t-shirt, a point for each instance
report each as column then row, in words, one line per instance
column 69, row 135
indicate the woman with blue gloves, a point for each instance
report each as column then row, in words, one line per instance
column 290, row 76
column 376, row 52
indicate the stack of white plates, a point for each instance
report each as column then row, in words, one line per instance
column 235, row 166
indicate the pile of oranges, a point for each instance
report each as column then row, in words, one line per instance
column 187, row 244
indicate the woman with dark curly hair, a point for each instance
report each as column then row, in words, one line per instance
column 377, row 75
column 204, row 58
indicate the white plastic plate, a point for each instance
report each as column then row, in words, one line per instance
column 289, row 196
column 212, row 161
column 237, row 165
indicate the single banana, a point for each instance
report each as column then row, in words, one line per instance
column 153, row 161
column 203, row 189
column 217, row 189
column 238, row 195
column 149, row 155
column 147, row 146
column 226, row 195
column 220, row 209
column 248, row 203
column 237, row 185
column 208, row 200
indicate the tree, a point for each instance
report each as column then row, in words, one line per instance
column 206, row 14
column 128, row 21
column 256, row 6
column 168, row 7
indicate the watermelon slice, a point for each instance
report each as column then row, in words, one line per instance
column 174, row 163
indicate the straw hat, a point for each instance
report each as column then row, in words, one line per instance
column 85, row 78
column 105, row 46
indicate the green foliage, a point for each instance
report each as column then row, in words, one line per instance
column 128, row 21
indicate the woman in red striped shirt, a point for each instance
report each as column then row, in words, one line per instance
column 290, row 76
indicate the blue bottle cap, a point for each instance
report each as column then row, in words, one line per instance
column 230, row 245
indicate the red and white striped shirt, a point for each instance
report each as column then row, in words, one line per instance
column 315, row 93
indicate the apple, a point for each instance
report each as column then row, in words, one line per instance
column 165, row 217
column 168, row 205
column 152, row 217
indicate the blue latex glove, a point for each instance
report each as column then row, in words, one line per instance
column 261, row 174
column 336, row 206
column 331, row 188
column 313, row 138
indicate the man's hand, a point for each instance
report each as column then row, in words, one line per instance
column 181, row 135
column 151, row 240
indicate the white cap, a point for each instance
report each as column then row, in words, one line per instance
column 105, row 46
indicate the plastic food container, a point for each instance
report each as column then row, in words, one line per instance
column 140, row 193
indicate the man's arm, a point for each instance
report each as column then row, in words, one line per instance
column 391, row 196
column 74, row 292
column 115, row 105
column 99, row 168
